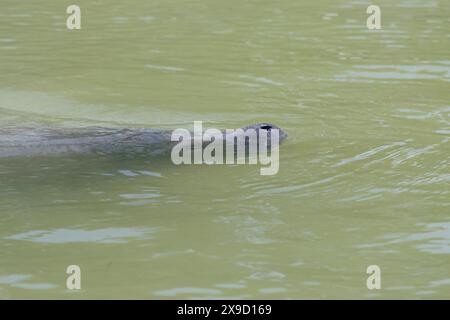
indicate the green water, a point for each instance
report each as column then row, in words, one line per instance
column 364, row 176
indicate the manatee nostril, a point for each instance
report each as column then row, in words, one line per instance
column 266, row 127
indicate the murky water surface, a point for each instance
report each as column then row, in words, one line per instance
column 364, row 176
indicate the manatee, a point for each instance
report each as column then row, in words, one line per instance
column 20, row 142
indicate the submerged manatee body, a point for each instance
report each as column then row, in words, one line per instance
column 96, row 140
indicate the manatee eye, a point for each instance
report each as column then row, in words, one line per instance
column 266, row 127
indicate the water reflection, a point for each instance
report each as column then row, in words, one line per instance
column 188, row 292
column 436, row 240
column 22, row 281
column 397, row 72
column 107, row 235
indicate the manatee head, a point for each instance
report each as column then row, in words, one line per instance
column 267, row 128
